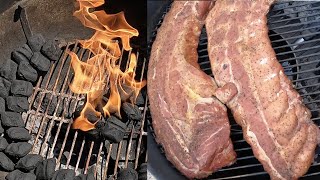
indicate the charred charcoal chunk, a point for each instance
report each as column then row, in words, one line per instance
column 2, row 105
column 46, row 169
column 36, row 42
column 52, row 50
column 114, row 129
column 11, row 119
column 143, row 171
column 132, row 111
column 21, row 87
column 5, row 162
column 19, row 149
column 40, row 62
column 18, row 134
column 127, row 174
column 29, row 162
column 18, row 175
column 140, row 99
column 22, row 54
column 4, row 87
column 1, row 129
column 17, row 104
column 27, row 72
column 64, row 174
column 8, row 70
column 88, row 176
column 3, row 143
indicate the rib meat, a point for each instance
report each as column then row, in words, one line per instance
column 274, row 120
column 190, row 124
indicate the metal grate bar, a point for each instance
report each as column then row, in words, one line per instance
column 284, row 14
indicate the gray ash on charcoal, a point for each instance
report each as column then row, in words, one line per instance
column 18, row 134
column 19, row 149
column 36, row 42
column 132, row 111
column 1, row 129
column 3, row 143
column 11, row 119
column 114, row 129
column 8, row 69
column 2, row 105
column 49, row 106
column 64, row 174
column 22, row 54
column 40, row 62
column 127, row 174
column 17, row 104
column 29, row 162
column 52, row 50
column 46, row 169
column 6, row 163
column 4, row 87
column 21, row 88
column 17, row 174
column 27, row 72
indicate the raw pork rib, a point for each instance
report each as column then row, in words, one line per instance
column 274, row 120
column 190, row 124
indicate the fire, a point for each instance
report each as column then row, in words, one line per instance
column 101, row 72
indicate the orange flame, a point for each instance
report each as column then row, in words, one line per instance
column 101, row 72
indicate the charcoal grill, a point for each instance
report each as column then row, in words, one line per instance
column 294, row 31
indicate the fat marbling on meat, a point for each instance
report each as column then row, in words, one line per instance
column 274, row 120
column 189, row 122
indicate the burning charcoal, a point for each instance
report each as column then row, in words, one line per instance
column 125, row 92
column 52, row 50
column 127, row 174
column 143, row 171
column 11, row 119
column 8, row 69
column 2, row 105
column 17, row 104
column 27, row 72
column 36, row 42
column 21, row 87
column 114, row 129
column 46, row 169
column 22, row 54
column 64, row 174
column 3, row 143
column 29, row 162
column 40, row 62
column 132, row 111
column 5, row 162
column 140, row 99
column 18, row 134
column 17, row 175
column 19, row 149
column 4, row 87
column 91, row 115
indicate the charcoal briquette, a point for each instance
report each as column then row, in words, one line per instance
column 143, row 171
column 6, row 162
column 132, row 111
column 8, row 69
column 127, row 174
column 17, row 104
column 19, row 149
column 64, row 174
column 18, row 134
column 19, row 175
column 27, row 72
column 2, row 105
column 21, row 88
column 3, row 143
column 36, row 42
column 1, row 129
column 52, row 50
column 22, row 54
column 114, row 129
column 4, row 87
column 46, row 169
column 89, row 176
column 40, row 62
column 29, row 162
column 11, row 119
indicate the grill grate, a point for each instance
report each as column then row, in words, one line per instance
column 49, row 121
column 294, row 30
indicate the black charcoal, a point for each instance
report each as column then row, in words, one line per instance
column 27, row 72
column 21, row 88
column 2, row 105
column 46, row 169
column 85, row 177
column 140, row 99
column 19, row 149
column 6, row 162
column 52, row 50
column 127, row 174
column 1, row 129
column 29, row 162
column 36, row 42
column 64, row 174
column 114, row 129
column 18, row 175
column 4, row 87
column 143, row 171
column 3, row 143
column 132, row 111
column 22, row 54
column 11, row 119
column 8, row 69
column 18, row 134
column 17, row 104
column 40, row 62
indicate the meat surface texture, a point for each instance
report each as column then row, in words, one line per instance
column 189, row 122
column 274, row 120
